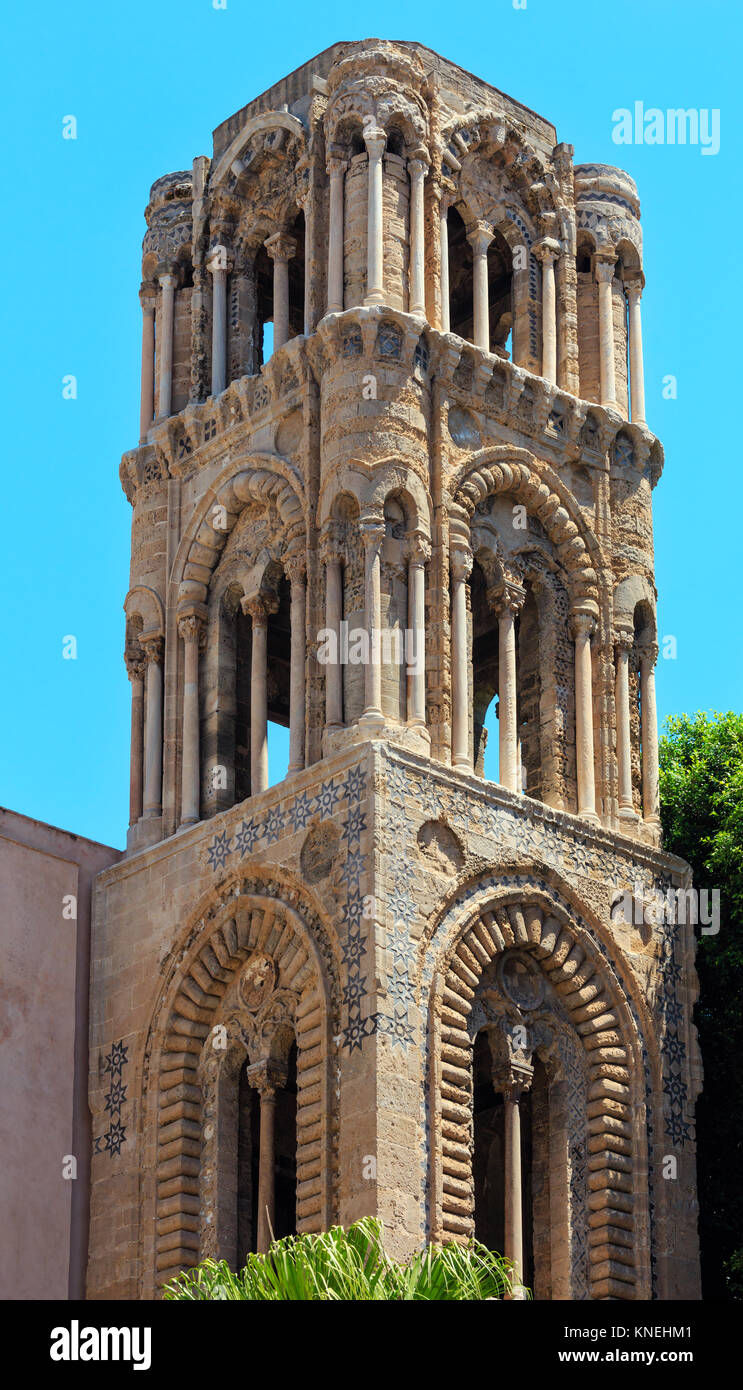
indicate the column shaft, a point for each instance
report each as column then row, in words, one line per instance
column 508, row 753
column 165, row 346
column 153, row 772
column 417, row 293
column 137, row 746
column 147, row 397
column 335, row 238
column 296, row 688
column 514, row 1238
column 444, row 240
column 219, row 330
column 333, row 617
column 373, row 535
column 649, row 721
column 266, row 1192
column 190, row 630
column 636, row 367
column 624, row 747
column 461, row 566
column 375, row 142
column 605, row 275
column 549, row 320
column 583, row 627
column 416, row 684
column 258, row 700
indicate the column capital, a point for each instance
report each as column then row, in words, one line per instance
column 136, row 664
column 219, row 258
column 605, row 266
column 295, row 567
column 546, row 249
column 259, row 607
column 267, row 1077
column 148, row 294
column 460, row 560
column 152, row 645
column 372, row 528
column 418, row 164
column 624, row 637
column 192, row 627
column 634, row 284
column 166, row 275
column 479, row 236
column 375, row 140
column 335, row 165
column 648, row 653
column 418, row 547
column 582, row 623
column 507, row 596
column 280, row 246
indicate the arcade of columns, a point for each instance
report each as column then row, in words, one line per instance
column 507, row 605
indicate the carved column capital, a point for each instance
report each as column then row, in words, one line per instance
column 418, row 165
column 372, row 528
column 479, row 236
column 136, row 664
column 507, row 596
column 267, row 1077
column 219, row 258
column 295, row 567
column 152, row 647
column 604, row 267
column 280, row 246
column 375, row 141
column 546, row 250
column 335, row 165
column 148, row 295
column 460, row 560
column 582, row 623
column 648, row 653
column 259, row 607
column 418, row 547
column 331, row 544
column 191, row 628
column 624, row 638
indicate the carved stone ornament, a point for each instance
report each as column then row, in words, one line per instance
column 521, row 979
column 257, row 981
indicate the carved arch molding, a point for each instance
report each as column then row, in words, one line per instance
column 580, row 1026
column 259, row 971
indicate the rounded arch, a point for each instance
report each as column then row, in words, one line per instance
column 259, row 477
column 266, row 120
column 143, row 602
column 259, row 918
column 372, row 486
column 527, row 914
column 504, row 469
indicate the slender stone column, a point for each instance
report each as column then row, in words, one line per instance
column 514, row 1233
column 280, row 248
column 547, row 251
column 336, row 173
column 371, row 527
column 135, row 666
column 153, row 724
column 419, row 551
column 218, row 264
column 259, row 609
column 266, row 1078
column 165, row 345
column 191, row 629
column 295, row 569
column 417, row 169
column 583, row 626
column 147, row 396
column 636, row 368
column 444, row 205
column 506, row 600
column 333, row 617
column 375, row 141
column 624, row 641
column 479, row 237
column 649, row 719
column 604, row 276
column 461, row 569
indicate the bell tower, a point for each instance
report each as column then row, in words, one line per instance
column 394, row 478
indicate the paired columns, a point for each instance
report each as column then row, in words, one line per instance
column 648, row 654
column 417, row 169
column 259, row 607
column 479, row 237
column 624, row 640
column 419, row 552
column 375, row 141
column 295, row 569
column 281, row 248
column 461, row 569
column 152, row 646
column 266, row 1078
column 547, row 250
column 604, row 277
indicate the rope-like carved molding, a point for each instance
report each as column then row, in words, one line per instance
column 259, row 482
column 592, row 1005
column 271, row 927
column 518, row 475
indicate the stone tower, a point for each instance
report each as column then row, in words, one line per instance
column 387, row 985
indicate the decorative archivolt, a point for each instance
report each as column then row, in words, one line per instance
column 267, row 123
column 376, row 85
column 488, row 133
column 142, row 602
column 532, row 918
column 371, row 486
column 259, row 963
column 504, row 469
column 259, row 478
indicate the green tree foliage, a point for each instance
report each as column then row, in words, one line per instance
column 701, row 790
column 349, row 1266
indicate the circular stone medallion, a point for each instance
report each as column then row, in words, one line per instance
column 257, row 981
column 522, row 980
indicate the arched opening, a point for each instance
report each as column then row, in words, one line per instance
column 500, row 295
column 488, row 1154
column 279, row 684
column 263, row 278
column 528, row 667
column 285, row 1152
column 460, row 277
column 248, row 1148
column 484, row 678
column 296, row 278
column 394, row 610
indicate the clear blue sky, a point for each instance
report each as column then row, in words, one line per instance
column 148, row 83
